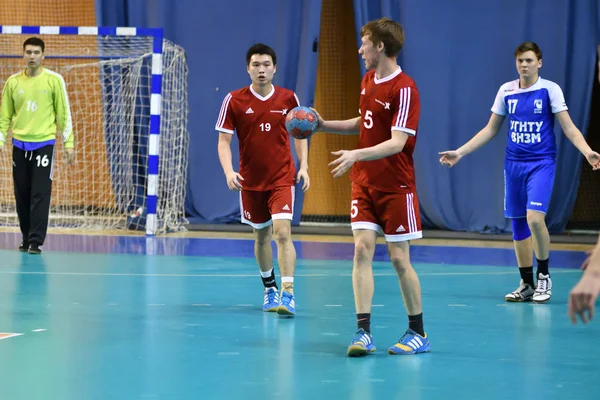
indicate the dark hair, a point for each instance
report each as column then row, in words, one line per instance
column 386, row 31
column 529, row 46
column 260, row 48
column 34, row 41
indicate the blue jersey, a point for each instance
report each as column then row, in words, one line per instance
column 530, row 118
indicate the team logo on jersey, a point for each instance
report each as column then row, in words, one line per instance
column 364, row 91
column 385, row 105
column 537, row 104
column 21, row 92
column 250, row 111
column 283, row 112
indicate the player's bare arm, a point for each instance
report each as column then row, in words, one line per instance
column 302, row 151
column 449, row 158
column 233, row 178
column 577, row 139
column 347, row 158
column 345, row 127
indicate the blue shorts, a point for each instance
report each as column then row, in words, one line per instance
column 527, row 186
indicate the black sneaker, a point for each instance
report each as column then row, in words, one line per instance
column 34, row 249
column 23, row 247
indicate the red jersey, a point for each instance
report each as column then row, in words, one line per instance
column 265, row 156
column 388, row 104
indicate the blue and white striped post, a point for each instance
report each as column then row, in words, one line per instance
column 153, row 141
column 155, row 97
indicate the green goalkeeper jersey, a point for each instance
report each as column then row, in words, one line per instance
column 35, row 105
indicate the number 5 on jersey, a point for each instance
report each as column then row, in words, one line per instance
column 368, row 119
column 353, row 209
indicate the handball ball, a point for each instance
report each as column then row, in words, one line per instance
column 301, row 122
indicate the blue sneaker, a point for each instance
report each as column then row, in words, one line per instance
column 362, row 344
column 287, row 305
column 271, row 300
column 411, row 343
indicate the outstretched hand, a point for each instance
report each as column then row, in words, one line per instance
column 582, row 297
column 593, row 159
column 449, row 158
column 344, row 162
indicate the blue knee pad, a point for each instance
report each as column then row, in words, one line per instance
column 520, row 228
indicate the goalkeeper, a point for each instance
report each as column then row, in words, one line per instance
column 35, row 101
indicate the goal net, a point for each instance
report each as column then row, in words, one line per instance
column 127, row 91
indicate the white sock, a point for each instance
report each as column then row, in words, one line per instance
column 266, row 274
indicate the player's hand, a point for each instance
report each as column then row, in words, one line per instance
column 593, row 159
column 69, row 156
column 449, row 158
column 233, row 181
column 303, row 175
column 583, row 297
column 321, row 120
column 346, row 159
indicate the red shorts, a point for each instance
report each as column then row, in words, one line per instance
column 394, row 214
column 259, row 208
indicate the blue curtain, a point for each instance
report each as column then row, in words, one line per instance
column 216, row 38
column 459, row 53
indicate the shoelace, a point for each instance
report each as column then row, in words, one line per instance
column 358, row 337
column 542, row 285
column 286, row 299
column 271, row 296
column 404, row 339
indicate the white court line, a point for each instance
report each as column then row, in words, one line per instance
column 38, row 330
column 150, row 275
column 253, row 276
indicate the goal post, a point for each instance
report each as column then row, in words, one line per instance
column 127, row 91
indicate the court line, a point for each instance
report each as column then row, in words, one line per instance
column 503, row 243
column 511, row 272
